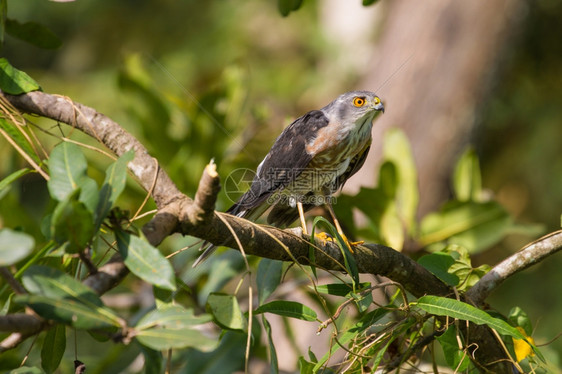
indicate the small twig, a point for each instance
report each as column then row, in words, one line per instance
column 529, row 255
column 16, row 286
column 92, row 269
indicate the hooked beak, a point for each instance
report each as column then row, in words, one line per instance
column 378, row 105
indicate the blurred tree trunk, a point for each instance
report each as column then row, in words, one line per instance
column 440, row 58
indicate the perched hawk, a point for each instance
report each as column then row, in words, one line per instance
column 311, row 159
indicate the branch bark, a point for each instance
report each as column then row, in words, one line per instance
column 179, row 213
column 530, row 255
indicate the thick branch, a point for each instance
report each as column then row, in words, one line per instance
column 178, row 213
column 528, row 256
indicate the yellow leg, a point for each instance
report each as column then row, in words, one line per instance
column 301, row 216
column 340, row 231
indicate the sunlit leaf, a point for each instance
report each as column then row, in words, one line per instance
column 443, row 306
column 475, row 226
column 67, row 168
column 467, row 181
column 171, row 317
column 438, row 264
column 226, row 311
column 14, row 246
column 145, row 261
column 290, row 309
column 14, row 81
column 164, row 338
column 397, row 150
column 69, row 312
column 54, row 284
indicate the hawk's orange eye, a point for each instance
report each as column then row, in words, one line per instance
column 359, row 102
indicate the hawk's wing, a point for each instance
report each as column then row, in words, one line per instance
column 283, row 164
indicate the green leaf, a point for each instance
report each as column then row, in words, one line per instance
column 163, row 338
column 518, row 317
column 340, row 289
column 226, row 311
column 171, row 317
column 268, row 278
column 72, row 222
column 453, row 355
column 33, row 33
column 27, row 370
column 14, row 81
column 13, row 132
column 290, row 309
column 467, row 181
column 443, row 306
column 69, row 312
column 475, row 226
column 369, row 2
column 273, row 362
column 14, row 246
column 398, row 151
column 153, row 360
column 58, row 286
column 53, row 348
column 113, row 186
column 4, row 183
column 287, row 6
column 145, row 261
column 438, row 264
column 3, row 11
column 67, row 168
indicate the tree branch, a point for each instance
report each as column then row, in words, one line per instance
column 530, row 255
column 179, row 213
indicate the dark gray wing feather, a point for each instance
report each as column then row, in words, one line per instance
column 284, row 162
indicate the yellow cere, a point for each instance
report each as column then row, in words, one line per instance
column 359, row 101
column 377, row 100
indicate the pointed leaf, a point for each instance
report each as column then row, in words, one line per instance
column 15, row 134
column 4, row 183
column 56, row 285
column 69, row 312
column 397, row 150
column 162, row 339
column 453, row 355
column 114, row 184
column 274, row 363
column 226, row 311
column 443, row 306
column 14, row 246
column 67, row 168
column 14, row 81
column 290, row 309
column 53, row 348
column 33, row 33
column 145, row 261
column 72, row 222
column 171, row 317
column 438, row 264
column 467, row 180
column 268, row 278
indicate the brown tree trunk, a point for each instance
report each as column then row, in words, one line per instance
column 440, row 56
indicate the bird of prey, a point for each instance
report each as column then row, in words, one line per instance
column 311, row 159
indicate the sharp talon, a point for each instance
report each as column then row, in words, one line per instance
column 325, row 237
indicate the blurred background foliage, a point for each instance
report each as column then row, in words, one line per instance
column 198, row 80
